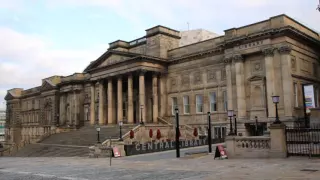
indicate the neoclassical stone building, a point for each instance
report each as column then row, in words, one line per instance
column 144, row 79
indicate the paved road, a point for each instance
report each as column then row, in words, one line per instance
column 154, row 168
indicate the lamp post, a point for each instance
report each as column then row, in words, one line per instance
column 120, row 127
column 98, row 133
column 209, row 133
column 275, row 100
column 256, row 118
column 230, row 115
column 177, row 133
column 141, row 119
column 235, row 125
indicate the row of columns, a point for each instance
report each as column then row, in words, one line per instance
column 142, row 99
column 286, row 78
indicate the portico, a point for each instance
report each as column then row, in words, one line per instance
column 126, row 98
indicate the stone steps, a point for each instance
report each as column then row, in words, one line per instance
column 44, row 150
column 71, row 143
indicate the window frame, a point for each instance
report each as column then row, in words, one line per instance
column 184, row 104
column 215, row 101
column 173, row 105
column 225, row 100
column 198, row 112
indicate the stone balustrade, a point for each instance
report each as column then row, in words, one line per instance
column 248, row 147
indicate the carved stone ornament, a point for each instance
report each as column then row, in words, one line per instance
column 285, row 49
column 185, row 80
column 197, row 77
column 211, row 75
column 268, row 51
column 173, row 82
column 227, row 60
column 238, row 58
column 293, row 62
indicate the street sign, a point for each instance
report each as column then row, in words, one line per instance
column 116, row 152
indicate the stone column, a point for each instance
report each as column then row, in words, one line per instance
column 101, row 103
column 130, row 99
column 92, row 103
column 269, row 54
column 120, row 108
column 287, row 82
column 62, row 110
column 162, row 95
column 142, row 96
column 110, row 97
column 241, row 95
column 155, row 97
column 228, row 61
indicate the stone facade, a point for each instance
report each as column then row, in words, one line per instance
column 146, row 78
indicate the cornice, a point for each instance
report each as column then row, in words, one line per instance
column 198, row 55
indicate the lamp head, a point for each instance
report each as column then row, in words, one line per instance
column 275, row 99
column 230, row 113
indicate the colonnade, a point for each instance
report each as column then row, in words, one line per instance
column 108, row 99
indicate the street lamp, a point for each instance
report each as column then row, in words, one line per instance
column 235, row 125
column 177, row 133
column 98, row 133
column 120, row 126
column 141, row 120
column 275, row 100
column 209, row 133
column 230, row 115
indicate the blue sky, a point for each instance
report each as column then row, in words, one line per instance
column 41, row 38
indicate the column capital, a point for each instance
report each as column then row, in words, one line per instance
column 285, row 49
column 268, row 51
column 119, row 77
column 142, row 71
column 155, row 74
column 238, row 58
column 227, row 60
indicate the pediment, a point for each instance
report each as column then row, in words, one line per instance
column 110, row 57
column 9, row 96
column 113, row 59
column 256, row 78
column 47, row 85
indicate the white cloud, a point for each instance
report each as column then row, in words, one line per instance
column 26, row 59
column 215, row 15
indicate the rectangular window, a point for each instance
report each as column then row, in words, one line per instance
column 199, row 104
column 225, row 101
column 295, row 94
column 213, row 102
column 186, row 106
column 174, row 105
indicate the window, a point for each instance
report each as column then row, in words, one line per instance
column 213, row 102
column 199, row 104
column 186, row 107
column 174, row 104
column 225, row 101
column 295, row 94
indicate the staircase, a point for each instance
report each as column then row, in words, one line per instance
column 74, row 143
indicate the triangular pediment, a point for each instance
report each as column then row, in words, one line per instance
column 256, row 78
column 113, row 59
column 47, row 85
column 110, row 57
column 9, row 96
